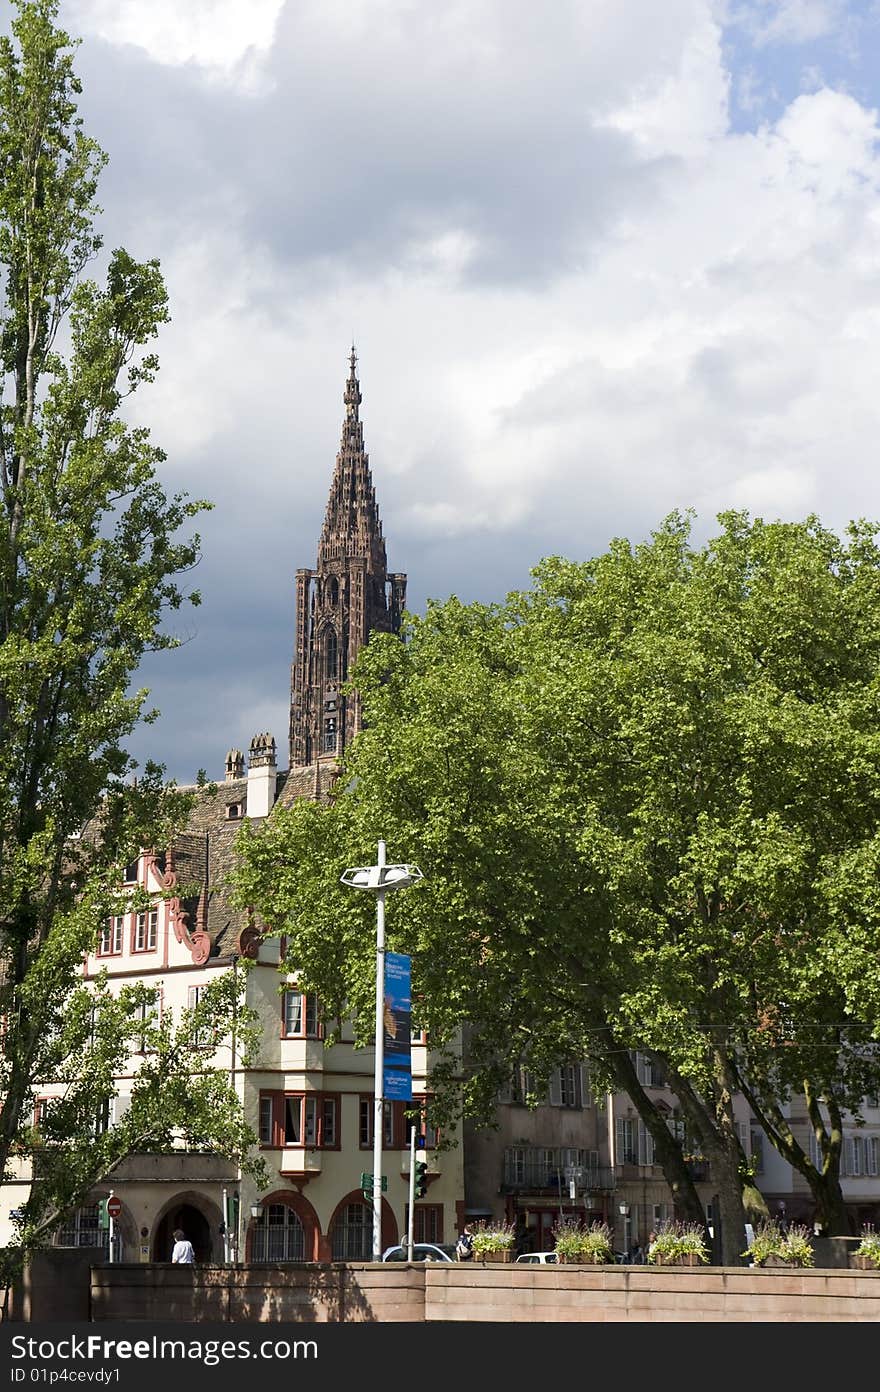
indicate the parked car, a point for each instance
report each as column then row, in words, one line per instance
column 422, row 1252
column 539, row 1258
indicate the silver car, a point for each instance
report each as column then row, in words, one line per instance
column 422, row 1252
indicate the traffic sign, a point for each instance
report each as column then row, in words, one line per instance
column 367, row 1182
column 114, row 1206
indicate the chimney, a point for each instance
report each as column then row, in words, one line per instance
column 234, row 765
column 261, row 776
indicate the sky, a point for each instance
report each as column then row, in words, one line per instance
column 601, row 259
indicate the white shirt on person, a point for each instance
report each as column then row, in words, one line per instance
column 183, row 1252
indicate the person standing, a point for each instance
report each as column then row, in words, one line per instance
column 183, row 1248
column 464, row 1248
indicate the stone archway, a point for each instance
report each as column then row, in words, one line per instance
column 198, row 1218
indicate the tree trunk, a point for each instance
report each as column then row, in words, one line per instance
column 667, row 1151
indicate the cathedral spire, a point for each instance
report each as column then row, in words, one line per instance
column 351, row 522
column 348, row 596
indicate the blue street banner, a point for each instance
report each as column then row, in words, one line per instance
column 397, row 1072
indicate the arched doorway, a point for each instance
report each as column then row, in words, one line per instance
column 196, row 1226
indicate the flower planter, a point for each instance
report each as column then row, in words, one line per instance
column 774, row 1260
column 859, row 1261
column 680, row 1259
column 495, row 1256
column 580, row 1261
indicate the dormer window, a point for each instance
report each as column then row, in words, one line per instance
column 131, row 872
column 233, row 811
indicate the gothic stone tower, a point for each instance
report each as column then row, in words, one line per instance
column 341, row 602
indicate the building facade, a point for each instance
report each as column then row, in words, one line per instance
column 591, row 1158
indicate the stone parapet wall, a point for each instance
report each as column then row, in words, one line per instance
column 685, row 1294
column 317, row 1292
column 364, row 1292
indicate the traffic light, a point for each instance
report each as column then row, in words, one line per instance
column 103, row 1215
column 421, row 1186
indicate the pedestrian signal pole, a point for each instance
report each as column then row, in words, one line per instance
column 412, row 1191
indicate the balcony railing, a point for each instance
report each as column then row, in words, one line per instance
column 533, row 1174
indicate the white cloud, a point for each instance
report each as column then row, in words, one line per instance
column 579, row 297
column 226, row 39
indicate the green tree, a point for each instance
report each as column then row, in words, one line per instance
column 90, row 564
column 636, row 792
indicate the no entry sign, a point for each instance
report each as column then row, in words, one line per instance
column 114, row 1206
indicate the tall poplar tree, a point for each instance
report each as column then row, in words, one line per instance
column 91, row 560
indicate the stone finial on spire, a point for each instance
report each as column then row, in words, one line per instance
column 352, row 397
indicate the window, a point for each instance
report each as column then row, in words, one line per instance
column 648, row 1071
column 351, row 1235
column 131, row 872
column 327, row 1128
column 292, row 1119
column 330, row 654
column 569, row 1086
column 320, row 1124
column 427, row 1222
column 147, row 1014
column 279, row 1235
column 871, row 1157
column 627, row 1141
column 200, row 1036
column 233, row 811
column 42, row 1108
column 110, row 941
column 299, row 1119
column 646, row 1145
column 854, row 1152
column 82, row 1229
column 330, row 734
column 423, row 1126
column 267, row 1118
column 756, row 1140
column 299, row 1015
column 146, row 930
column 515, row 1165
column 104, row 1116
column 678, row 1129
column 393, row 1127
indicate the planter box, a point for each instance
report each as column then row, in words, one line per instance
column 683, row 1259
column 862, row 1263
column 505, row 1256
column 580, row 1261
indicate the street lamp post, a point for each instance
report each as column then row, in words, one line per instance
column 624, row 1213
column 380, row 878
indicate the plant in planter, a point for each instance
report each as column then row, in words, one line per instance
column 765, row 1248
column 574, row 1242
column 797, row 1249
column 493, row 1241
column 770, row 1246
column 679, row 1244
column 866, row 1257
